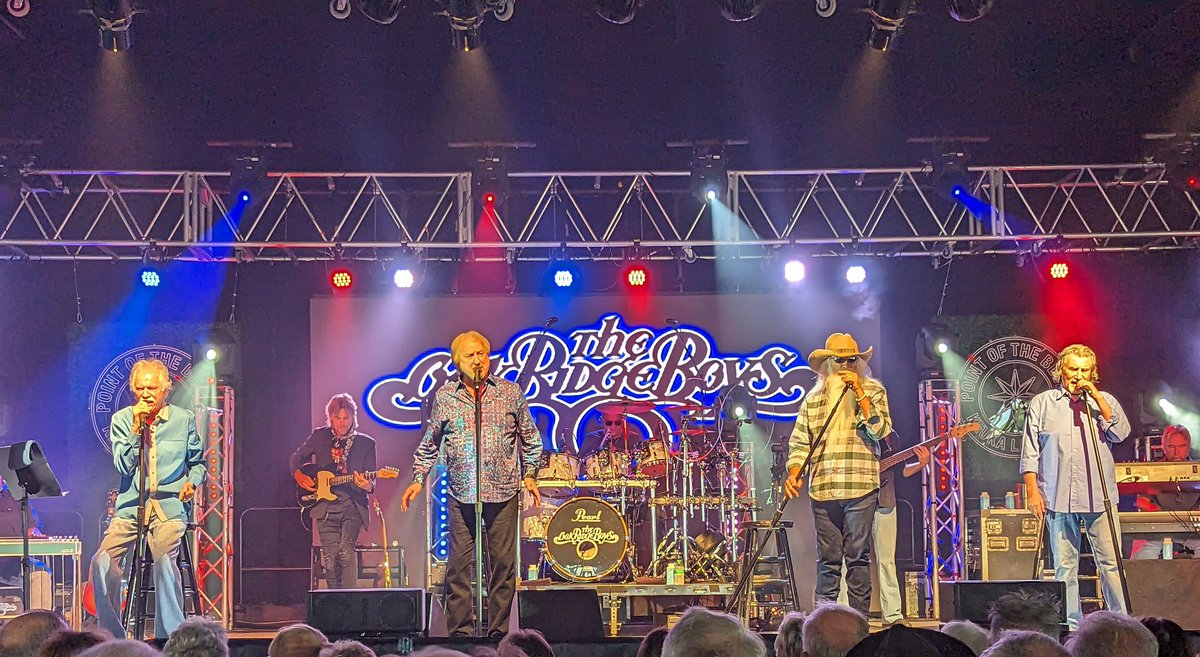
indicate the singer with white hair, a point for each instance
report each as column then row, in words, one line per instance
column 510, row 449
column 1063, row 474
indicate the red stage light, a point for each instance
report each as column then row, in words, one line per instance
column 1059, row 270
column 489, row 198
column 636, row 276
column 1193, row 182
column 341, row 279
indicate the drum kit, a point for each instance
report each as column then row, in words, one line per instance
column 644, row 509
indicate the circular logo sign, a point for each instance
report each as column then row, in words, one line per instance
column 111, row 391
column 995, row 387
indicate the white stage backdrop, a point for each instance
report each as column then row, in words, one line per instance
column 390, row 353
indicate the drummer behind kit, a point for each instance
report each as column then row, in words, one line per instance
column 684, row 482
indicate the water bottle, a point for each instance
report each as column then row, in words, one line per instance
column 680, row 578
column 671, row 574
column 985, row 501
column 1168, row 548
column 1010, row 501
column 533, row 572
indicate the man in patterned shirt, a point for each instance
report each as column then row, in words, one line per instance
column 844, row 469
column 511, row 449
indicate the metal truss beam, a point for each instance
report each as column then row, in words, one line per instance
column 123, row 215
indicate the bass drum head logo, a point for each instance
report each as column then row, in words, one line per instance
column 995, row 387
column 111, row 391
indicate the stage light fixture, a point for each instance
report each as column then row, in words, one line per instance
column 248, row 178
column 383, row 12
column 934, row 341
column 950, row 178
column 793, row 271
column 965, row 11
column 709, row 175
column 1059, row 270
column 619, row 12
column 740, row 404
column 466, row 20
column 404, row 278
column 341, row 279
column 637, row 277
column 741, row 10
column 856, row 274
column 1166, row 406
column 887, row 19
column 114, row 18
column 18, row 8
column 210, row 353
column 489, row 177
column 149, row 277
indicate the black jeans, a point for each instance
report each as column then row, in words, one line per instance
column 844, row 532
column 338, row 526
column 500, row 527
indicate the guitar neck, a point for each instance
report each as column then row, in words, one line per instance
column 345, row 479
column 903, row 455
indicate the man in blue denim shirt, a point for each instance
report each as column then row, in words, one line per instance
column 175, row 470
column 1062, row 472
column 511, row 449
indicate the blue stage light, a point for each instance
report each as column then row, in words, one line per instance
column 150, row 277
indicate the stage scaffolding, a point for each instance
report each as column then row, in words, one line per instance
column 608, row 215
column 945, row 523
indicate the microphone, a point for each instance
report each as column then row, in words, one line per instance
column 673, row 322
column 551, row 321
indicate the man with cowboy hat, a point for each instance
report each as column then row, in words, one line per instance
column 844, row 469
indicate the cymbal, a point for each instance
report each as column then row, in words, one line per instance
column 689, row 407
column 626, row 406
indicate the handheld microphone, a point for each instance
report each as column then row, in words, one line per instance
column 551, row 321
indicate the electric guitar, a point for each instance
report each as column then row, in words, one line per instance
column 903, row 455
column 326, row 480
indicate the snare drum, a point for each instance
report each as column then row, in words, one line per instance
column 558, row 474
column 586, row 539
column 652, row 460
column 607, row 465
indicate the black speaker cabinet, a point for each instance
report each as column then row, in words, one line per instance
column 970, row 600
column 564, row 615
column 1165, row 588
column 366, row 612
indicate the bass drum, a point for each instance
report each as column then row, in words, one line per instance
column 586, row 539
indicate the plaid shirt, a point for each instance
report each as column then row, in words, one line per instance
column 511, row 444
column 846, row 465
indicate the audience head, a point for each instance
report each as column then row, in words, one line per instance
column 437, row 651
column 66, row 643
column 1023, row 610
column 652, row 643
column 346, row 648
column 1025, row 643
column 703, row 632
column 831, row 630
column 789, row 642
column 975, row 637
column 1106, row 634
column 488, row 651
column 198, row 636
column 532, row 642
column 121, row 648
column 23, row 635
column 904, row 641
column 1172, row 640
column 297, row 640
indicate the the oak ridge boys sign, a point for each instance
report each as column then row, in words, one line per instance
column 568, row 374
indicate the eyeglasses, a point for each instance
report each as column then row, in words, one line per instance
column 846, row 359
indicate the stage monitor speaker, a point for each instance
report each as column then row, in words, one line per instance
column 565, row 615
column 365, row 612
column 1165, row 588
column 1004, row 544
column 972, row 600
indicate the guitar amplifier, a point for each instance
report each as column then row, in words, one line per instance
column 1002, row 544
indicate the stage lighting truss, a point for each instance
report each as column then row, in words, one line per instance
column 115, row 215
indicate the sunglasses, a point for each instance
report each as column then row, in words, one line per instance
column 846, row 359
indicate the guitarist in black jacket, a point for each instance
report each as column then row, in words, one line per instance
column 340, row 449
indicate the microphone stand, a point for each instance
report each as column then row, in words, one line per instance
column 476, row 394
column 748, row 571
column 1108, row 508
column 134, row 580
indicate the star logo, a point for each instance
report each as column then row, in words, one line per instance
column 1015, row 389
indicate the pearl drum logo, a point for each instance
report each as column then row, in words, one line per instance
column 995, row 387
column 111, row 391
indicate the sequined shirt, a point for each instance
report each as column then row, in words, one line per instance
column 511, row 444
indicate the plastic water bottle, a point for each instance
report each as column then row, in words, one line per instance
column 671, row 574
column 1168, row 548
column 1010, row 502
column 533, row 572
column 985, row 501
column 680, row 577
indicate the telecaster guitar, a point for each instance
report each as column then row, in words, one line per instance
column 326, row 480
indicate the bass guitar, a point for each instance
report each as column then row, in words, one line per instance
column 325, row 481
column 903, row 455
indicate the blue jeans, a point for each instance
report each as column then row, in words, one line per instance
column 162, row 538
column 1064, row 532
column 883, row 538
column 844, row 534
